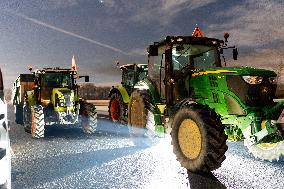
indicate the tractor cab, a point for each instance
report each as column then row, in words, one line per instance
column 52, row 84
column 131, row 74
column 173, row 60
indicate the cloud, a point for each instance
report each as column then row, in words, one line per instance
column 266, row 58
column 138, row 52
column 166, row 10
column 169, row 5
column 160, row 11
column 54, row 4
column 255, row 23
column 43, row 5
column 38, row 22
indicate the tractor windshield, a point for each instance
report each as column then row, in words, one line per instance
column 194, row 56
column 143, row 74
column 128, row 78
column 57, row 80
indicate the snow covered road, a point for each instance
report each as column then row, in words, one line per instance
column 67, row 158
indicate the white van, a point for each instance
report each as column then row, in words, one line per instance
column 5, row 155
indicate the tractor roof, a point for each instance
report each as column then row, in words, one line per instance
column 189, row 40
column 131, row 66
column 56, row 70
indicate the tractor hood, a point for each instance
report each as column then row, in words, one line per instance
column 243, row 71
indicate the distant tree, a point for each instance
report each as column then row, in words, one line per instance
column 89, row 91
column 280, row 78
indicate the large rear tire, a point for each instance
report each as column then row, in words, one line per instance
column 117, row 109
column 266, row 151
column 19, row 113
column 88, row 118
column 198, row 138
column 37, row 120
column 141, row 123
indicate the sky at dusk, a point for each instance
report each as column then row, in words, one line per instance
column 100, row 32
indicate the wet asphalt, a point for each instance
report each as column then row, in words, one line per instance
column 67, row 158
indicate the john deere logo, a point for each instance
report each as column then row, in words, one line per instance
column 264, row 90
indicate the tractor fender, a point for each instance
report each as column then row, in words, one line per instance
column 120, row 90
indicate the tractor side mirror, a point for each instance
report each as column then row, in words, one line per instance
column 87, row 79
column 153, row 50
column 235, row 54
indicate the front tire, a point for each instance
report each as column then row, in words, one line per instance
column 141, row 122
column 88, row 118
column 198, row 138
column 117, row 109
column 37, row 117
column 266, row 151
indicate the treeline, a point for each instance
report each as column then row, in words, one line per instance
column 89, row 91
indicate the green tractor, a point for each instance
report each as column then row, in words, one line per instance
column 119, row 94
column 50, row 96
column 202, row 104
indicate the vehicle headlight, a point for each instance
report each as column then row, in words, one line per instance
column 272, row 80
column 253, row 80
column 61, row 103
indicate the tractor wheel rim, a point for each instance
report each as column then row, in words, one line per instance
column 114, row 110
column 267, row 146
column 189, row 139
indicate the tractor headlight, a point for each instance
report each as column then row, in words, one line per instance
column 272, row 80
column 253, row 80
column 61, row 103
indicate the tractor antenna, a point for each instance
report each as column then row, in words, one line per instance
column 226, row 36
column 116, row 63
column 224, row 60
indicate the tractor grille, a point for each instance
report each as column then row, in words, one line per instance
column 67, row 95
column 252, row 95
